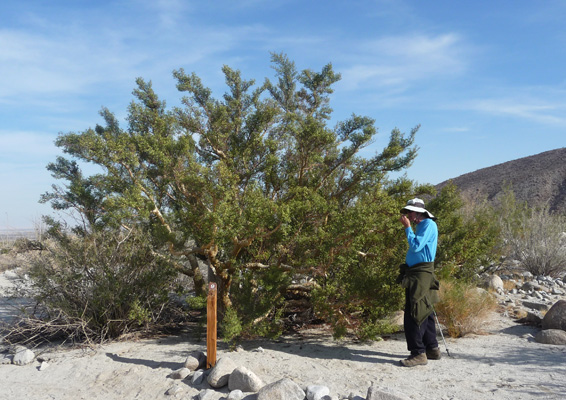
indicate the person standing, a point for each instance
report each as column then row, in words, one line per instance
column 421, row 286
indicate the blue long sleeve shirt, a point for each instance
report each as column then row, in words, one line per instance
column 422, row 243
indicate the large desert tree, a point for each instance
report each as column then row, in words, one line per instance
column 253, row 182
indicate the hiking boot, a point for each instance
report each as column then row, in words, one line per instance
column 433, row 354
column 414, row 360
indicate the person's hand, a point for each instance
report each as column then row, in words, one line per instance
column 405, row 221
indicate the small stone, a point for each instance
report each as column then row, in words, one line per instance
column 6, row 359
column 23, row 357
column 316, row 392
column 207, row 394
column 198, row 377
column 235, row 395
column 181, row 373
column 174, row 390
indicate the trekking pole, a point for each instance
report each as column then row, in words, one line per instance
column 441, row 334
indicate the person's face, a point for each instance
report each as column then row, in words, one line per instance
column 412, row 215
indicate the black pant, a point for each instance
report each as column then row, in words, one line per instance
column 419, row 338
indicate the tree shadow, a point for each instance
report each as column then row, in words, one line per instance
column 146, row 363
column 316, row 347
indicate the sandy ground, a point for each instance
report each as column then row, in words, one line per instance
column 503, row 364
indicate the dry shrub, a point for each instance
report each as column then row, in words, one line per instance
column 509, row 285
column 97, row 287
column 464, row 308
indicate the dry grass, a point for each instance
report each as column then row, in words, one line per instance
column 509, row 285
column 464, row 308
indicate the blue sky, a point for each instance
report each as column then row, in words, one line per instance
column 485, row 80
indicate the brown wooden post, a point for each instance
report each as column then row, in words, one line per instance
column 211, row 323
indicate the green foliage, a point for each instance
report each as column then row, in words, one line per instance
column 138, row 314
column 110, row 280
column 253, row 181
column 231, row 327
column 374, row 330
column 359, row 289
column 467, row 240
column 259, row 300
column 197, row 302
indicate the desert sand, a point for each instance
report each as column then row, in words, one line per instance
column 503, row 363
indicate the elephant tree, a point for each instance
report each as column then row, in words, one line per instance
column 254, row 181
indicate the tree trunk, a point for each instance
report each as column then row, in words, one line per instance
column 198, row 278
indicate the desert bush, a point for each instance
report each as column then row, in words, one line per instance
column 534, row 237
column 231, row 326
column 258, row 304
column 110, row 281
column 374, row 330
column 197, row 302
column 469, row 236
column 463, row 308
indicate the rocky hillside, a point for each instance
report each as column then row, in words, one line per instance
column 538, row 180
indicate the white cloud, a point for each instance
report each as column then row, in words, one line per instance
column 456, row 129
column 403, row 60
column 35, row 64
column 537, row 111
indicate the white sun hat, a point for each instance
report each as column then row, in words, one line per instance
column 416, row 205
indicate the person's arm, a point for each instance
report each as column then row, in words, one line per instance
column 419, row 240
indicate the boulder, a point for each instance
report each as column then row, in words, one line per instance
column 555, row 318
column 493, row 283
column 396, row 319
column 23, row 357
column 195, row 360
column 536, row 305
column 283, row 389
column 245, row 380
column 551, row 336
column 533, row 318
column 530, row 286
column 220, row 374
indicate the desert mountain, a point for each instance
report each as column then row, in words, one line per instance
column 539, row 179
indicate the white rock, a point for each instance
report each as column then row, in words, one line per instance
column 220, row 374
column 245, row 380
column 235, row 395
column 23, row 357
column 283, row 389
column 195, row 360
column 316, row 392
column 181, row 373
